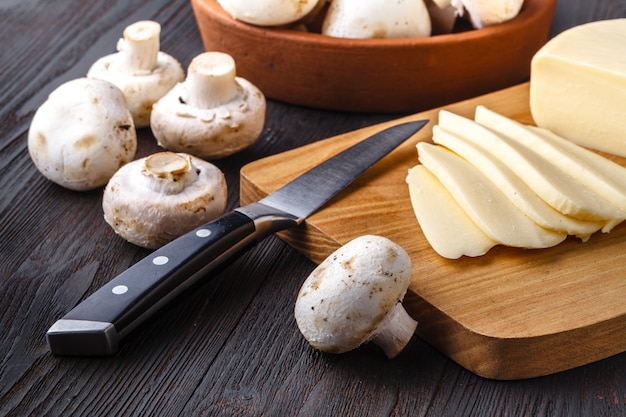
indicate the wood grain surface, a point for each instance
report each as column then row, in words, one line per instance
column 510, row 314
column 229, row 347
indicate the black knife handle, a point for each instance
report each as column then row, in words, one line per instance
column 96, row 326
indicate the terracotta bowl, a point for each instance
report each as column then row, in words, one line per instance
column 378, row 75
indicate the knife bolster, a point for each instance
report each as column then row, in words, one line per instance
column 268, row 219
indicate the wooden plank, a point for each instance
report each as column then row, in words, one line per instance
column 510, row 314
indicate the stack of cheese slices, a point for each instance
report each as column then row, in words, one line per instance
column 493, row 180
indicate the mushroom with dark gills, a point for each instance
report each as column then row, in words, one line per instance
column 213, row 113
column 355, row 295
column 154, row 200
column 139, row 69
column 82, row 134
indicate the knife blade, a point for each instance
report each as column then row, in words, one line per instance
column 97, row 325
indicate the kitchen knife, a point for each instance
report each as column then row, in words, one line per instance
column 97, row 325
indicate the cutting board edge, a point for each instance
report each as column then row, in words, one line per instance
column 514, row 358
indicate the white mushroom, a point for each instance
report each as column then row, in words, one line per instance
column 355, row 295
column 484, row 13
column 213, row 113
column 377, row 19
column 82, row 134
column 139, row 69
column 153, row 200
column 269, row 12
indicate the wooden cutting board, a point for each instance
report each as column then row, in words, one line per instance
column 509, row 314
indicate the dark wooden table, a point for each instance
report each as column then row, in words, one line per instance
column 231, row 346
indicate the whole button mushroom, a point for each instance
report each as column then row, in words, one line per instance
column 139, row 69
column 155, row 199
column 377, row 19
column 213, row 113
column 270, row 12
column 355, row 295
column 82, row 134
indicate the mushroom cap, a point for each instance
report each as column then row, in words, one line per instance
column 140, row 90
column 82, row 134
column 377, row 19
column 155, row 199
column 484, row 13
column 268, row 12
column 346, row 300
column 209, row 133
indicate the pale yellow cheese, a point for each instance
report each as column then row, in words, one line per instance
column 483, row 202
column 578, row 85
column 591, row 170
column 514, row 188
column 446, row 226
column 553, row 185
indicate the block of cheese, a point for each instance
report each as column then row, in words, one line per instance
column 578, row 85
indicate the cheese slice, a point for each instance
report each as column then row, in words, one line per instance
column 514, row 188
column 446, row 226
column 578, row 85
column 483, row 202
column 553, row 185
column 591, row 170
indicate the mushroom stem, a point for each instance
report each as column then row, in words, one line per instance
column 396, row 333
column 211, row 80
column 169, row 172
column 139, row 48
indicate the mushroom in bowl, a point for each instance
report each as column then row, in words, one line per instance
column 362, row 19
column 270, row 12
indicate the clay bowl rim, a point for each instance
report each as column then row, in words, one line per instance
column 531, row 11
